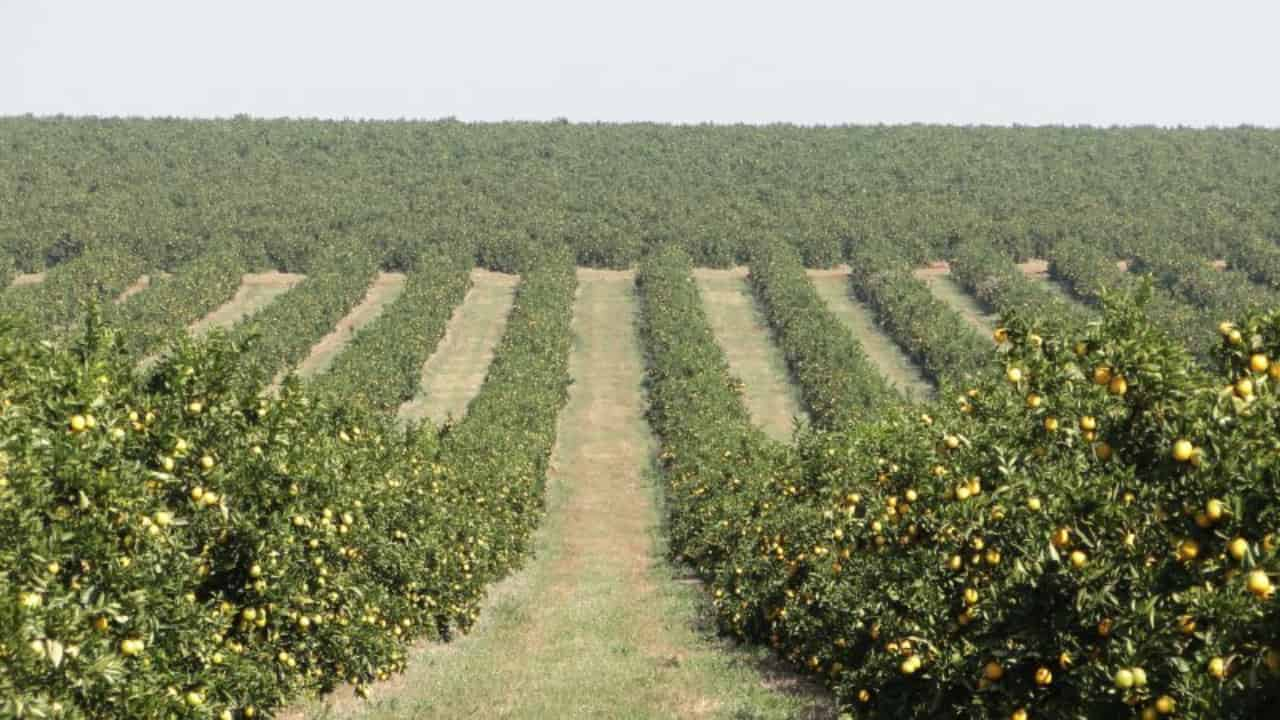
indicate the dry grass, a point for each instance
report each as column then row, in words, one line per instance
column 742, row 331
column 27, row 279
column 596, row 626
column 384, row 289
column 892, row 362
column 937, row 276
column 256, row 291
column 456, row 370
column 134, row 288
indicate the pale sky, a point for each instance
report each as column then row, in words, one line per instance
column 804, row 61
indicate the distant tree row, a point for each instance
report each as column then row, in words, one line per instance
column 165, row 190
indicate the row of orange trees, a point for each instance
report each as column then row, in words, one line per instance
column 382, row 365
column 57, row 303
column 1088, row 528
column 183, row 545
column 836, row 379
column 933, row 334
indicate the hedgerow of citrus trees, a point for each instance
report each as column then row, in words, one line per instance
column 992, row 277
column 170, row 304
column 382, row 365
column 285, row 330
column 1257, row 257
column 835, row 377
column 161, row 188
column 1090, row 272
column 1089, row 532
column 933, row 334
column 56, row 303
column 191, row 548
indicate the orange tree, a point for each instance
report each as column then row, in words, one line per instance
column 1085, row 531
column 180, row 544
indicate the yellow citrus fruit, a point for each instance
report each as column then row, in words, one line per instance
column 1218, row 668
column 1102, row 375
column 992, row 671
column 1259, row 363
column 1118, row 386
column 1186, row 624
column 1188, row 550
column 1182, row 450
column 1259, row 584
column 1238, row 548
column 1014, row 375
column 1044, row 676
column 1165, row 705
column 1123, row 678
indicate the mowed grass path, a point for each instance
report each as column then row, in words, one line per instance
column 456, row 370
column 384, row 289
column 596, row 626
column 256, row 291
column 744, row 334
column 890, row 359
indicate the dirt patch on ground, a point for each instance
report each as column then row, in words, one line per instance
column 385, row 288
column 1219, row 265
column 456, row 370
column 27, row 279
column 1123, row 265
column 1035, row 267
column 937, row 276
column 256, row 291
column 892, row 362
column 744, row 334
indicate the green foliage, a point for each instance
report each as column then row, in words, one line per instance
column 1258, row 258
